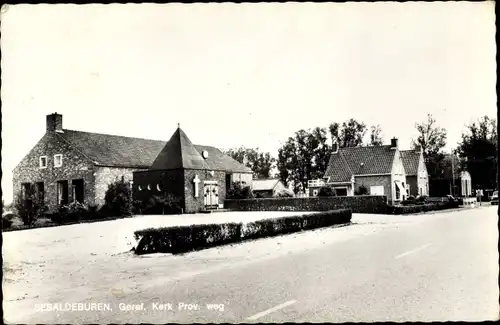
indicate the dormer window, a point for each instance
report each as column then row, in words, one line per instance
column 58, row 160
column 43, row 162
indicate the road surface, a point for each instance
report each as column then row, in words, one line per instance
column 442, row 269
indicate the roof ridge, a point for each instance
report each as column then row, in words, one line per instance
column 363, row 147
column 114, row 135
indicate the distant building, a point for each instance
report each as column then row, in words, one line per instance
column 379, row 169
column 66, row 166
column 267, row 187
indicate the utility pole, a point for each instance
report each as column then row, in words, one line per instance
column 453, row 173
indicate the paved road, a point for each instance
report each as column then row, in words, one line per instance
column 439, row 270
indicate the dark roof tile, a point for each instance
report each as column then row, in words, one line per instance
column 411, row 160
column 359, row 161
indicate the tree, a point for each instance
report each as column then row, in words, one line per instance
column 302, row 157
column 350, row 134
column 431, row 139
column 478, row 149
column 261, row 163
column 376, row 136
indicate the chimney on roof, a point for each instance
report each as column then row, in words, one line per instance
column 335, row 147
column 394, row 143
column 54, row 123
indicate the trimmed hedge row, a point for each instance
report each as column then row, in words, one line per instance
column 422, row 208
column 181, row 239
column 357, row 204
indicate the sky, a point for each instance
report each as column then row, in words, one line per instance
column 243, row 74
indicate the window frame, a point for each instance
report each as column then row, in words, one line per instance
column 55, row 159
column 40, row 162
column 377, row 187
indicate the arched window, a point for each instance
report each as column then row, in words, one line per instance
column 139, row 187
column 149, row 187
column 158, row 187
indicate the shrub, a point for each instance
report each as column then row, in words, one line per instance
column 258, row 195
column 186, row 238
column 160, row 204
column 93, row 212
column 423, row 207
column 118, row 199
column 7, row 220
column 182, row 239
column 422, row 198
column 327, row 191
column 362, row 190
column 30, row 208
column 239, row 191
column 410, row 201
column 72, row 212
column 137, row 206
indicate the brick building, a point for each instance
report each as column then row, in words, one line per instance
column 380, row 169
column 199, row 176
column 417, row 178
column 67, row 165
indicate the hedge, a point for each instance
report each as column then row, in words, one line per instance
column 402, row 209
column 181, row 239
column 357, row 204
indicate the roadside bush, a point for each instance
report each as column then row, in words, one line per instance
column 422, row 207
column 118, row 199
column 29, row 209
column 182, row 239
column 239, row 191
column 7, row 220
column 327, row 191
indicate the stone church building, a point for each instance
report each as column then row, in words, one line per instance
column 67, row 165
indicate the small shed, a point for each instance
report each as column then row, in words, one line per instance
column 267, row 187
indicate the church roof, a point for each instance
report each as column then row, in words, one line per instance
column 179, row 152
column 129, row 152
